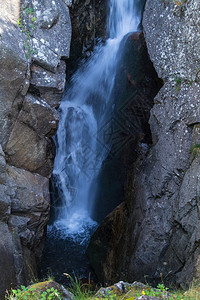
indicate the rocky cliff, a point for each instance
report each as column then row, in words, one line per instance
column 34, row 43
column 155, row 232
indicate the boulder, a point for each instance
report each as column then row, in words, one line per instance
column 49, row 85
column 49, row 287
column 30, row 204
column 28, row 145
column 54, row 27
column 8, row 259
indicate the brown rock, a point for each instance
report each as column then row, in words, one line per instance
column 28, row 146
column 39, row 116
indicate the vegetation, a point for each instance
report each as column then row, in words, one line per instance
column 179, row 81
column 80, row 290
column 46, row 290
column 195, row 150
column 179, row 2
column 50, row 290
column 30, row 26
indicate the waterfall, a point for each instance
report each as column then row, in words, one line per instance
column 83, row 113
column 82, row 145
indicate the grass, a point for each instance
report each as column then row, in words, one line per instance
column 80, row 290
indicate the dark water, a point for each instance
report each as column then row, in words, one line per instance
column 65, row 252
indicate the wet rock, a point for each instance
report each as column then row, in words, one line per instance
column 102, row 251
column 89, row 27
column 88, row 22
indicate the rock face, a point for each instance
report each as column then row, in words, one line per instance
column 88, row 27
column 34, row 43
column 173, row 37
column 155, row 232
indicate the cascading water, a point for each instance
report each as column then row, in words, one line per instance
column 81, row 148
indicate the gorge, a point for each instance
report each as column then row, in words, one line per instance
column 127, row 139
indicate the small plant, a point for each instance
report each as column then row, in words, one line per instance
column 32, row 293
column 110, row 296
column 160, row 291
column 31, row 23
column 179, row 2
column 179, row 81
column 195, row 150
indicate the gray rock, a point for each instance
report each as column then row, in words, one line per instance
column 173, row 37
column 31, row 191
column 18, row 223
column 13, row 66
column 52, row 32
column 2, row 166
column 5, row 203
column 44, row 56
column 50, row 85
column 67, row 295
column 7, row 260
column 30, row 206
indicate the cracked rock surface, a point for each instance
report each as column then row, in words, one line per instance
column 32, row 81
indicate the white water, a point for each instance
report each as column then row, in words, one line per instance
column 79, row 156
